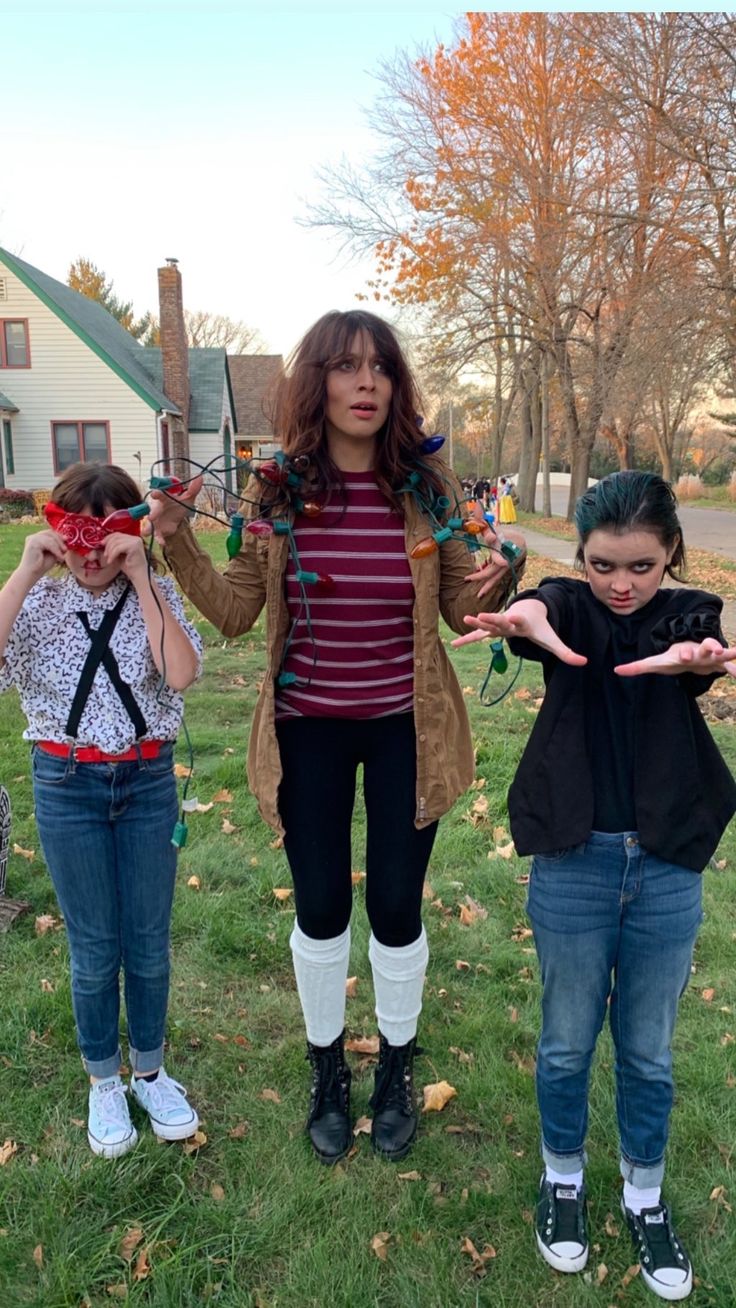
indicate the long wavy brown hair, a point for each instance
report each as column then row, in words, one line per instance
column 297, row 408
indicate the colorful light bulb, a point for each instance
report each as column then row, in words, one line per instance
column 234, row 540
column 424, row 548
column 259, row 527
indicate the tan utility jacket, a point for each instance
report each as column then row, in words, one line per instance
column 233, row 600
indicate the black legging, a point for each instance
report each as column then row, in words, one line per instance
column 320, row 757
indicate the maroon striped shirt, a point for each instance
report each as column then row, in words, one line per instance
column 358, row 660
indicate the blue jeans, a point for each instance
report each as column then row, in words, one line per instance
column 610, row 921
column 106, row 834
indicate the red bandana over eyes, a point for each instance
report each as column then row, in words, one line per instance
column 82, row 533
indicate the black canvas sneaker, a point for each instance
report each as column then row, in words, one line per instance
column 562, row 1235
column 665, row 1266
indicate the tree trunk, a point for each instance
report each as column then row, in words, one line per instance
column 531, row 439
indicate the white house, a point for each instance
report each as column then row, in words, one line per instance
column 75, row 385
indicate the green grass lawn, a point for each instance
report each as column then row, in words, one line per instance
column 250, row 1219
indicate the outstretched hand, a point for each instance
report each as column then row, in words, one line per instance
column 168, row 511
column 527, row 618
column 700, row 657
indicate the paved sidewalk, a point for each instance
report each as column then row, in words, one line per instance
column 555, row 547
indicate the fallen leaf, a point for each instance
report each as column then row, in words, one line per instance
column 227, row 827
column 727, row 1039
column 181, row 771
column 217, row 1192
column 410, row 1176
column 427, row 891
column 223, row 1039
column 461, row 965
column 500, row 834
column 611, row 1227
column 194, row 1142
column 601, row 1273
column 30, row 854
column 362, row 1126
column 708, row 994
column 118, row 1291
column 363, row 1045
column 524, row 693
column 130, row 1242
column 476, row 908
column 461, row 1055
column 521, row 932
column 282, row 893
column 437, row 1095
column 270, row 1096
column 38, row 1256
column 513, row 1015
column 524, row 1063
column 242, row 1041
column 201, row 808
column 46, row 922
column 278, row 843
column 629, row 1275
column 721, row 863
column 379, row 1245
column 142, row 1267
column 503, row 851
column 46, row 986
column 479, row 1260
column 718, row 1196
column 357, row 877
column 222, row 797
column 6, row 1151
column 77, row 1121
column 351, row 987
column 194, row 883
column 467, row 916
column 240, row 1131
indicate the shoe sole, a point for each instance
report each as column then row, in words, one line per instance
column 670, row 1292
column 562, row 1264
column 329, row 1160
column 103, row 1150
column 182, row 1132
column 396, row 1155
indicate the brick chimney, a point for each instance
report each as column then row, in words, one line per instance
column 174, row 354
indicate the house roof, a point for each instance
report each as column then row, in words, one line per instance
column 7, row 405
column 251, row 376
column 207, row 378
column 96, row 327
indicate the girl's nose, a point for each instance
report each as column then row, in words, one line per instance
column 365, row 375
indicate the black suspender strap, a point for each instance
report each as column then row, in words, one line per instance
column 100, row 653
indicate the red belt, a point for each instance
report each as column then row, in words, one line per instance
column 91, row 754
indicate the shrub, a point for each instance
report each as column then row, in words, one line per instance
column 689, row 487
column 15, row 503
column 732, row 486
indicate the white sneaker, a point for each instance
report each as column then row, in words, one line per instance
column 165, row 1101
column 109, row 1129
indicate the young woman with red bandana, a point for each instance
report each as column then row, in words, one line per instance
column 99, row 655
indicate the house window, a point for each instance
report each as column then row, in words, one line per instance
column 75, row 441
column 8, row 444
column 14, row 349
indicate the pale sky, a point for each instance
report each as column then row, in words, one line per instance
column 132, row 134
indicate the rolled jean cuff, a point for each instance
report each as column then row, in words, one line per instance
column 143, row 1063
column 565, row 1164
column 643, row 1176
column 103, row 1067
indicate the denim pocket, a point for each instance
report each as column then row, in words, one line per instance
column 162, row 764
column 557, row 855
column 48, row 769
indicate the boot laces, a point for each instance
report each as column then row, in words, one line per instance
column 393, row 1081
column 329, row 1083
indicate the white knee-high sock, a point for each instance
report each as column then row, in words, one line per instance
column 398, row 982
column 321, row 969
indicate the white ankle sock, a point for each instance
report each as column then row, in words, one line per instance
column 321, row 969
column 636, row 1200
column 564, row 1178
column 398, row 982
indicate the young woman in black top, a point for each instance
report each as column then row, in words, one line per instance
column 622, row 797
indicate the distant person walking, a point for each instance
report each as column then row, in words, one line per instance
column 506, row 507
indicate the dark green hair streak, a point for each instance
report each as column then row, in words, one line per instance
column 632, row 501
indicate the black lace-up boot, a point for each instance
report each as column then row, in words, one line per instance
column 329, row 1124
column 392, row 1101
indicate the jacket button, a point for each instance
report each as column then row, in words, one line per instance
column 422, row 738
column 418, row 662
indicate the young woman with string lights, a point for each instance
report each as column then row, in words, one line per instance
column 354, row 552
column 99, row 655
